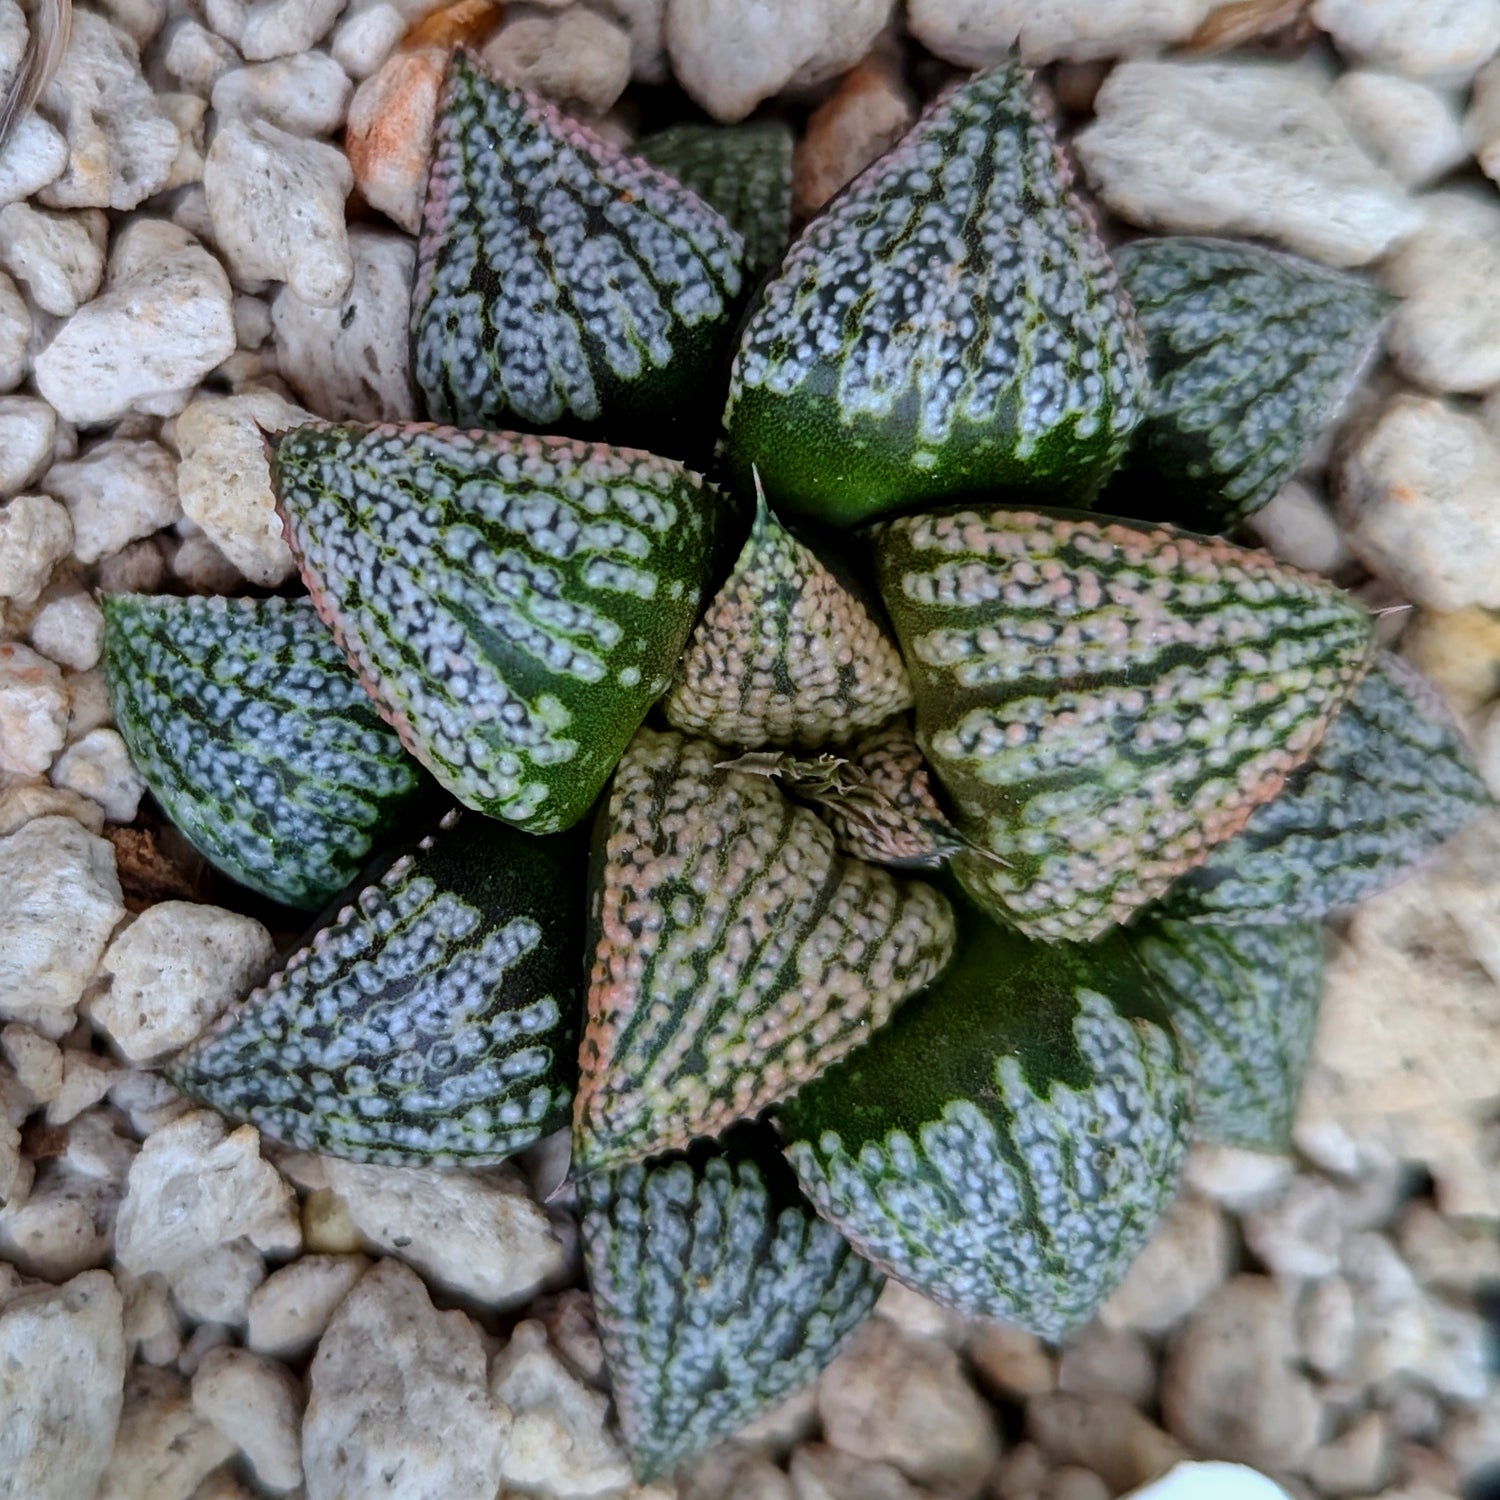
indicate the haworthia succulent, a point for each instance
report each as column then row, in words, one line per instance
column 1104, row 702
column 1252, row 353
column 785, row 654
column 736, row 954
column 717, row 1292
column 513, row 604
column 559, row 282
column 1008, row 1143
column 951, row 323
column 1391, row 781
column 744, row 170
column 431, row 1020
column 1244, row 1002
column 255, row 737
column 893, row 816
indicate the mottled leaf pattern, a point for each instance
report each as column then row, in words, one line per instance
column 1009, row 1142
column 785, row 654
column 255, row 737
column 560, row 283
column 717, row 1292
column 736, row 953
column 952, row 323
column 1252, row 353
column 514, row 605
column 1392, row 779
column 1104, row 702
column 1244, row 1002
column 744, row 170
column 432, row 1020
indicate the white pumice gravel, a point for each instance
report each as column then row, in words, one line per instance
column 207, row 233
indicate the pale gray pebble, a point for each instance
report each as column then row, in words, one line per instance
column 163, row 1449
column 28, row 427
column 277, row 206
column 352, row 361
column 163, row 321
column 62, row 903
column 117, row 492
column 578, row 58
column 35, row 534
column 68, row 628
column 264, row 29
column 194, row 56
column 366, row 36
column 1413, row 130
column 58, row 256
column 15, row 332
column 731, row 54
column 290, row 1309
column 1243, row 148
column 424, row 1406
column 1444, row 43
column 257, row 1405
column 306, row 95
column 64, row 1226
column 121, row 143
column 62, row 1378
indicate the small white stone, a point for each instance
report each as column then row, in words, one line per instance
column 193, row 1187
column 1445, row 334
column 139, row 568
column 1211, row 1481
column 195, row 57
column 99, row 767
column 121, row 145
column 33, row 710
column 1240, row 148
column 277, row 204
column 389, row 135
column 422, row 1409
column 24, row 800
column 16, row 1171
column 290, row 1309
column 59, row 256
column 216, row 1287
column 88, row 710
column 1444, row 1253
column 225, row 480
column 818, row 1472
column 164, row 1449
column 1447, row 41
column 576, row 57
column 164, row 321
column 1298, row 526
column 62, row 902
column 69, row 629
column 1298, row 1233
column 1230, row 1384
column 274, row 28
column 33, row 157
column 920, row 1316
column 257, row 1405
column 120, row 490
column 731, row 54
column 366, row 37
column 15, row 334
column 352, row 361
column 1104, row 1361
column 893, row 1399
column 36, row 1060
column 1413, row 130
column 147, row 1100
column 28, row 426
column 199, row 564
column 1189, row 1255
column 140, row 20
column 306, row 95
column 729, row 1470
column 1012, row 1362
column 1357, row 1462
column 644, row 22
column 63, row 1227
column 94, row 1148
column 62, row 1381
column 35, row 535
column 1327, row 1326
column 152, row 1330
column 559, row 1443
column 86, row 1080
column 174, row 969
column 977, row 33
column 1104, row 1434
column 1416, row 496
column 477, row 1234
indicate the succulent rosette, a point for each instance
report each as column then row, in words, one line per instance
column 957, row 834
